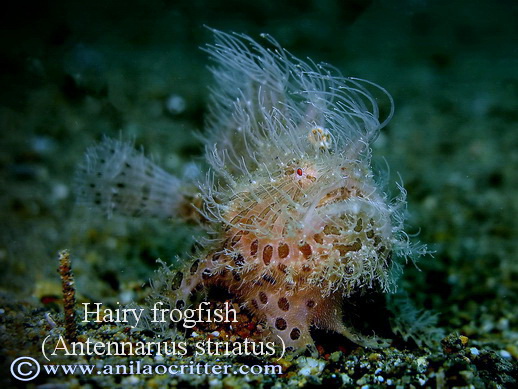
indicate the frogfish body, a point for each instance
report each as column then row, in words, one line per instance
column 294, row 219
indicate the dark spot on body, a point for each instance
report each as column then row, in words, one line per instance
column 253, row 247
column 194, row 267
column 283, row 250
column 177, row 280
column 239, row 260
column 267, row 254
column 305, row 249
column 295, row 334
column 263, row 298
column 284, row 304
column 268, row 278
column 280, row 324
column 331, row 230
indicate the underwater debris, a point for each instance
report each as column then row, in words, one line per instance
column 295, row 221
column 69, row 295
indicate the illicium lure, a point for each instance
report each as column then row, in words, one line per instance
column 295, row 220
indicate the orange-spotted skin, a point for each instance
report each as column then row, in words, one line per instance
column 289, row 265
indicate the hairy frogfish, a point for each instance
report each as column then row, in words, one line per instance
column 294, row 219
